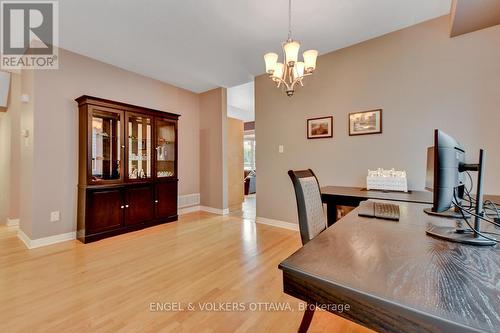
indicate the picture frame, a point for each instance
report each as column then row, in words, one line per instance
column 365, row 122
column 320, row 128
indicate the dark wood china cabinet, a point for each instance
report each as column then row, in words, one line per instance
column 127, row 168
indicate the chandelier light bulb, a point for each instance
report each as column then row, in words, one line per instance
column 278, row 70
column 271, row 59
column 310, row 57
column 291, row 49
column 299, row 69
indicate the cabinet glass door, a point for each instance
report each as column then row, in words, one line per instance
column 106, row 145
column 139, row 134
column 165, row 148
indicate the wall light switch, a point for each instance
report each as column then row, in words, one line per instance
column 25, row 98
column 281, row 149
column 55, row 216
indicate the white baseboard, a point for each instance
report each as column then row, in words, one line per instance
column 39, row 242
column 12, row 222
column 277, row 223
column 217, row 211
column 190, row 203
column 25, row 239
column 187, row 210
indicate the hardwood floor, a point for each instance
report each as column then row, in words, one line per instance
column 107, row 286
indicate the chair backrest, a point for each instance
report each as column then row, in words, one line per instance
column 312, row 219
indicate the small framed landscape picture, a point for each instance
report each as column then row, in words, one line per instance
column 366, row 122
column 319, row 128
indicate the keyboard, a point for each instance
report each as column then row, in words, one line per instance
column 379, row 210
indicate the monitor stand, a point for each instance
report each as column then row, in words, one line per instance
column 467, row 236
column 452, row 213
column 452, row 234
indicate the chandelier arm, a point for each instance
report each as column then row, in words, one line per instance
column 285, row 71
column 299, row 79
column 280, row 81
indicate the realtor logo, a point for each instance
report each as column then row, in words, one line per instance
column 29, row 34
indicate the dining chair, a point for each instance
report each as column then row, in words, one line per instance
column 312, row 220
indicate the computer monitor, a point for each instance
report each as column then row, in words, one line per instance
column 445, row 168
column 444, row 174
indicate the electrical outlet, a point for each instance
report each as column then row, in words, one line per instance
column 281, row 149
column 55, row 216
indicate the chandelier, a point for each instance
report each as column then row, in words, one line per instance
column 291, row 72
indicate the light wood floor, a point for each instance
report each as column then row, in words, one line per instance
column 107, row 286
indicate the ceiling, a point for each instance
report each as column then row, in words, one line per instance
column 472, row 15
column 199, row 45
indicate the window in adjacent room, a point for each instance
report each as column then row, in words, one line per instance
column 249, row 152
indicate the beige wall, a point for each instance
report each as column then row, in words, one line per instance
column 213, row 127
column 235, row 163
column 10, row 152
column 4, row 166
column 22, row 170
column 14, row 115
column 56, row 127
column 4, row 162
column 420, row 77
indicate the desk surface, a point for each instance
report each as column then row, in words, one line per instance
column 396, row 278
column 358, row 192
column 423, row 197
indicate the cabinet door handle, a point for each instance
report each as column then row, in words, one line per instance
column 123, row 146
column 156, row 201
column 126, row 206
column 121, row 207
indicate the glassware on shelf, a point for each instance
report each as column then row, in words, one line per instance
column 137, row 174
column 106, row 145
column 165, row 173
column 139, row 147
column 165, row 148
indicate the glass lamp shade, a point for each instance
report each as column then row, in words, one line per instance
column 299, row 69
column 310, row 60
column 291, row 52
column 270, row 59
column 278, row 70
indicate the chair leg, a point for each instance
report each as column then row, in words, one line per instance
column 306, row 319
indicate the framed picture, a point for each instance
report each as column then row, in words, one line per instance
column 319, row 128
column 366, row 122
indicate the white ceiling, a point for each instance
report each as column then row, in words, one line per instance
column 199, row 45
column 240, row 102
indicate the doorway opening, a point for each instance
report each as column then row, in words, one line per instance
column 250, row 174
column 243, row 186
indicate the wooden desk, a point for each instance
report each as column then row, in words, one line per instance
column 335, row 196
column 396, row 278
